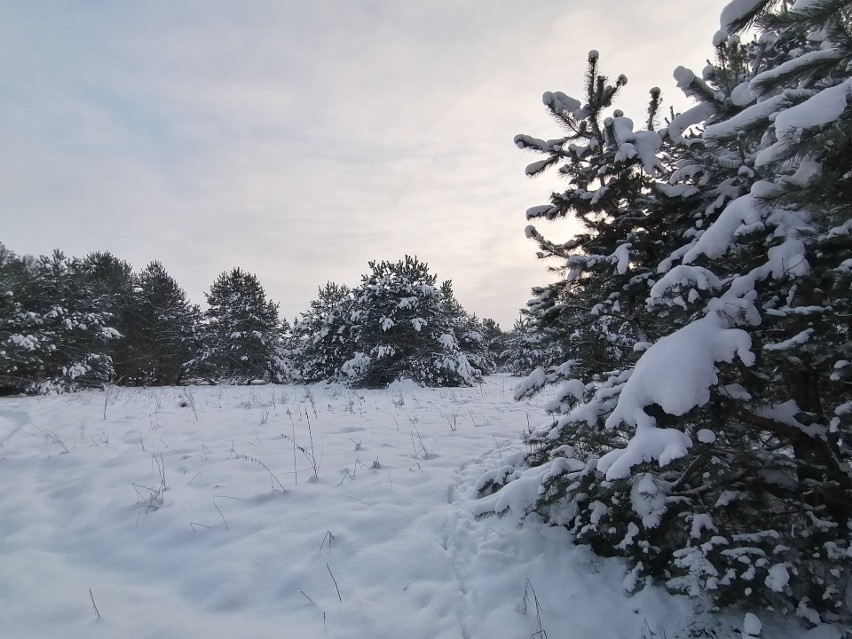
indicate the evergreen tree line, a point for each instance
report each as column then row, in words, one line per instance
column 69, row 323
column 700, row 333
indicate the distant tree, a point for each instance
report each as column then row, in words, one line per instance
column 469, row 331
column 527, row 347
column 111, row 282
column 162, row 332
column 495, row 341
column 403, row 328
column 54, row 332
column 322, row 339
column 242, row 333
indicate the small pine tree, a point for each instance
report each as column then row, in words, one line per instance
column 163, row 330
column 403, row 328
column 56, row 334
column 241, row 333
column 322, row 340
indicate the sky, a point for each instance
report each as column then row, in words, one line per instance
column 300, row 140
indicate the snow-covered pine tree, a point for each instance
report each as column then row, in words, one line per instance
column 403, row 330
column 162, row 332
column 469, row 331
column 495, row 341
column 322, row 338
column 612, row 171
column 111, row 280
column 56, row 335
column 241, row 333
column 719, row 462
column 528, row 347
column 20, row 348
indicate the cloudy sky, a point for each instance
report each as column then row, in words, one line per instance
column 299, row 140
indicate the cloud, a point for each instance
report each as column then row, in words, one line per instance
column 300, row 140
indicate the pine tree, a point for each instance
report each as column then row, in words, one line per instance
column 527, row 347
column 322, row 338
column 404, row 329
column 111, row 280
column 56, row 334
column 469, row 332
column 242, row 332
column 20, row 349
column 715, row 458
column 163, row 332
column 495, row 340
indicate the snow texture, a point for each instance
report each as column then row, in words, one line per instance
column 676, row 374
column 740, row 215
column 221, row 551
column 752, row 627
column 818, row 111
column 736, row 10
column 756, row 114
column 778, row 577
column 643, row 144
column 761, row 82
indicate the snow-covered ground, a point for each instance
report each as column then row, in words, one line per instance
column 196, row 512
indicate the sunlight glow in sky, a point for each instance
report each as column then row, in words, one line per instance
column 299, row 140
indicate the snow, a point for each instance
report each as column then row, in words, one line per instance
column 752, row 116
column 752, row 627
column 736, row 10
column 741, row 96
column 648, row 500
column 166, row 504
column 740, row 215
column 817, row 111
column 558, row 102
column 681, row 276
column 796, row 340
column 706, row 436
column 678, row 370
column 644, row 144
column 214, row 548
column 762, row 81
column 535, row 380
column 683, row 77
column 621, row 256
column 778, row 577
column 676, row 373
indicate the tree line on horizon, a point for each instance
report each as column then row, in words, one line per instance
column 68, row 323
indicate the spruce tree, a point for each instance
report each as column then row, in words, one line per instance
column 495, row 340
column 469, row 331
column 163, row 330
column 403, row 328
column 715, row 458
column 528, row 347
column 56, row 334
column 112, row 280
column 322, row 337
column 241, row 333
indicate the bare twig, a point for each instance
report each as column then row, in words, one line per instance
column 94, row 605
column 227, row 527
column 191, row 401
column 329, row 537
column 335, row 583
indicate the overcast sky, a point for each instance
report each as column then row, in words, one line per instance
column 301, row 139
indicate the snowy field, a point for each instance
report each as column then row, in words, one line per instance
column 283, row 511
